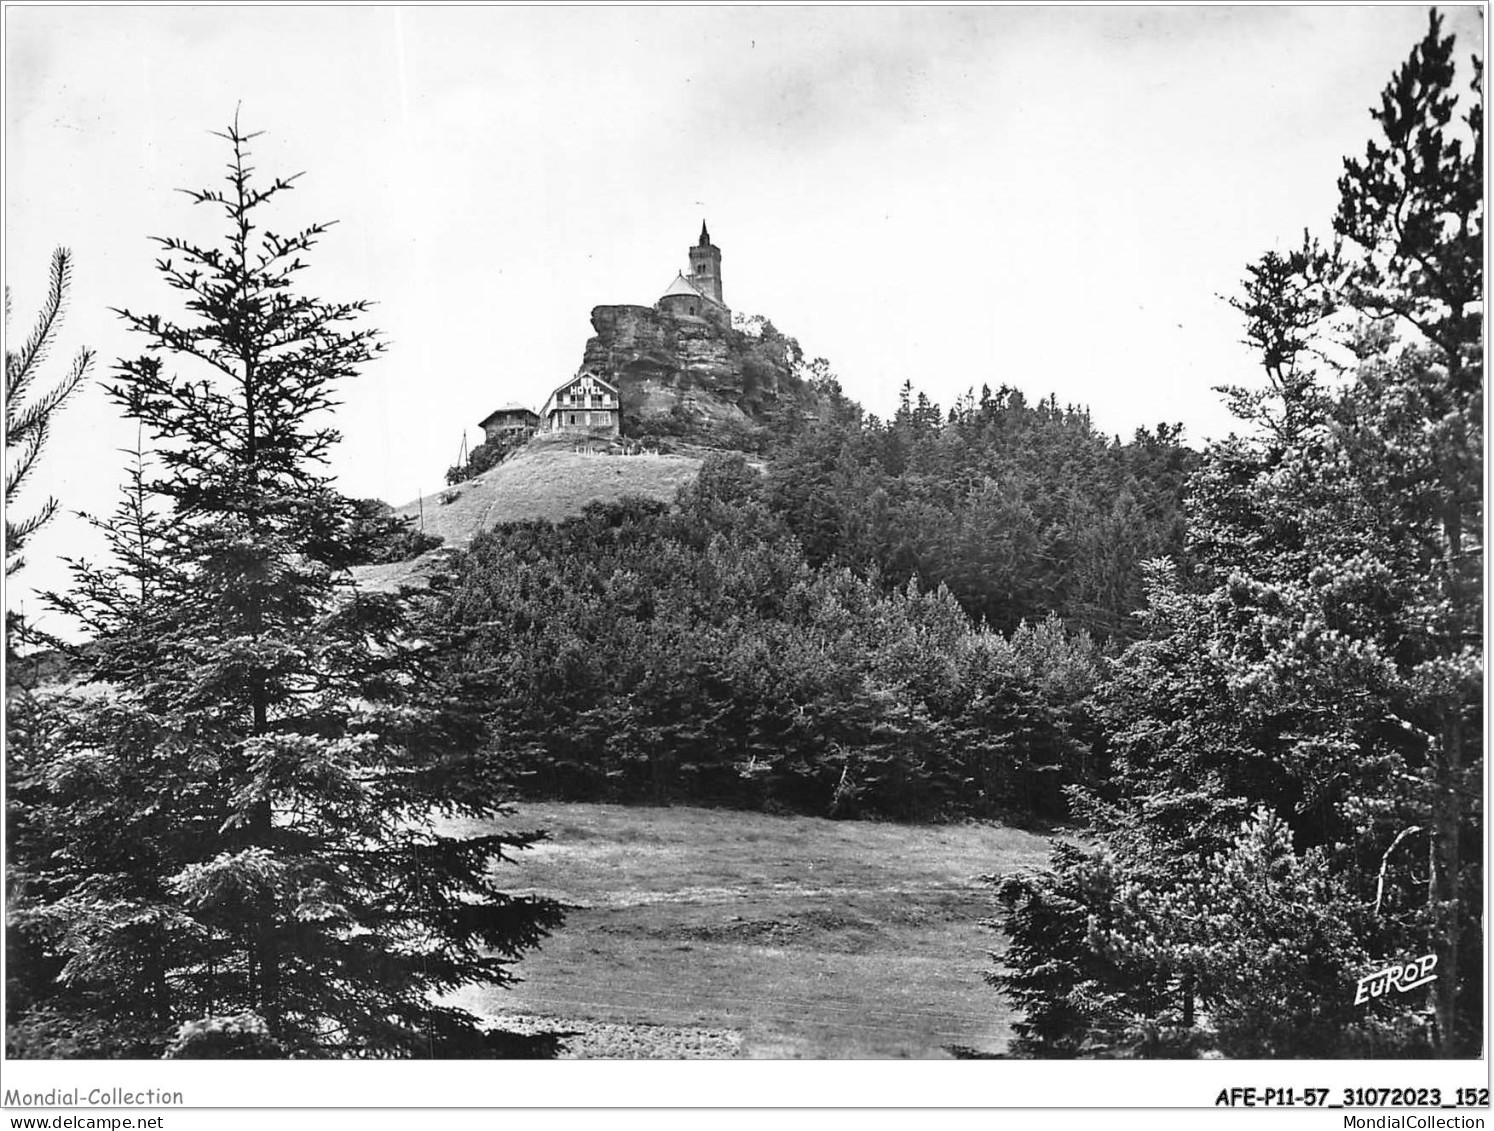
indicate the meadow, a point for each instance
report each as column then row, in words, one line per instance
column 703, row 933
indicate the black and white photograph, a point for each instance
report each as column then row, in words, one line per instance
column 618, row 538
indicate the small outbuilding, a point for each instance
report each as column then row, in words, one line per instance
column 509, row 424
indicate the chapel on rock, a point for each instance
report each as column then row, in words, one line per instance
column 698, row 295
column 590, row 403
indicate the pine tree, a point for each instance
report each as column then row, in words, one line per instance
column 1411, row 220
column 254, row 840
column 1324, row 666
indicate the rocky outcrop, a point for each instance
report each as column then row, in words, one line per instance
column 684, row 369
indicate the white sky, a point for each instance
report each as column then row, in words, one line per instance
column 1054, row 198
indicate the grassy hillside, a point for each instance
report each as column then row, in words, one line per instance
column 712, row 933
column 551, row 477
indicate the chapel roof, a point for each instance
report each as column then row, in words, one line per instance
column 682, row 286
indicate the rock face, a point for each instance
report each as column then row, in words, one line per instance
column 694, row 372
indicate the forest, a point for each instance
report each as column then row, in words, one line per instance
column 827, row 637
column 1240, row 683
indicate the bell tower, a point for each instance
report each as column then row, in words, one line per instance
column 705, row 266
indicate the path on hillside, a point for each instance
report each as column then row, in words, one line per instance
column 547, row 478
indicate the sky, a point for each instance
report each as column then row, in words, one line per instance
column 1054, row 198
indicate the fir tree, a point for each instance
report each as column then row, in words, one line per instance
column 28, row 416
column 254, row 837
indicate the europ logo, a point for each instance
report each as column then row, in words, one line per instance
column 1417, row 972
